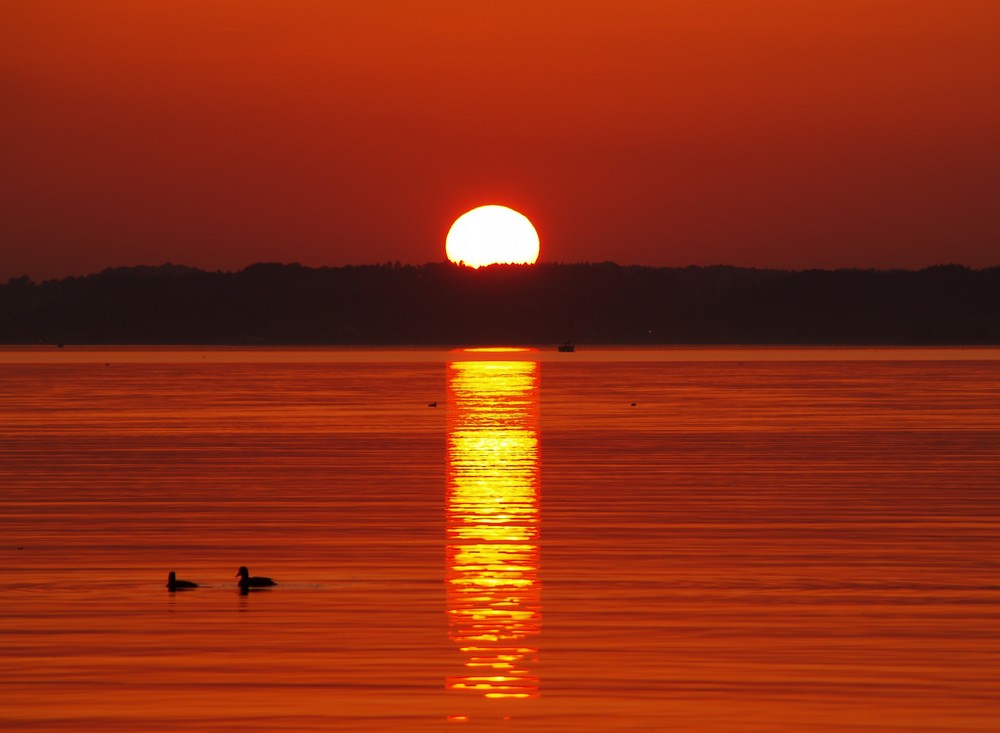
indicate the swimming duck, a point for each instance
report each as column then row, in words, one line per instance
column 174, row 584
column 247, row 581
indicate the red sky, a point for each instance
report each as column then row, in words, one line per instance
column 772, row 133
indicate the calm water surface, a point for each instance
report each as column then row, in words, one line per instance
column 768, row 540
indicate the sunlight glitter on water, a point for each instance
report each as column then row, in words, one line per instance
column 494, row 594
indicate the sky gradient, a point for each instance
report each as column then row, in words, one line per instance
column 774, row 133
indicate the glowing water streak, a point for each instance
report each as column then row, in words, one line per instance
column 493, row 591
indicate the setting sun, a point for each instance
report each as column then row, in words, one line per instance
column 491, row 235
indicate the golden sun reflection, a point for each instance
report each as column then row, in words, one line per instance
column 493, row 593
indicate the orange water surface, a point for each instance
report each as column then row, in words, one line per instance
column 656, row 540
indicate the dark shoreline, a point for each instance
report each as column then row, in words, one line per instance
column 443, row 304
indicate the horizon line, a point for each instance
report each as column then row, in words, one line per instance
column 393, row 264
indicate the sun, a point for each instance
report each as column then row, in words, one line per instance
column 490, row 235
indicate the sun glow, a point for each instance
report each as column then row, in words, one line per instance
column 491, row 235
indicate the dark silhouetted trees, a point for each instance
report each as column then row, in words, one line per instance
column 443, row 304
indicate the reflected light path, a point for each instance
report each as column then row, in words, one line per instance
column 493, row 590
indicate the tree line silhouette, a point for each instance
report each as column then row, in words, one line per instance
column 444, row 304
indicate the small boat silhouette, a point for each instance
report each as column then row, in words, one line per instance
column 174, row 584
column 247, row 581
column 567, row 347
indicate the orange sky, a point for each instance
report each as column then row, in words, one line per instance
column 772, row 133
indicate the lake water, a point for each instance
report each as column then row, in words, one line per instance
column 708, row 540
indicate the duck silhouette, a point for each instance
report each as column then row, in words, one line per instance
column 174, row 584
column 247, row 581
